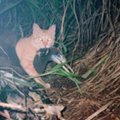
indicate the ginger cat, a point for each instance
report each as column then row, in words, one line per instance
column 27, row 48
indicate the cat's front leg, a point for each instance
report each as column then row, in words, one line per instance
column 30, row 70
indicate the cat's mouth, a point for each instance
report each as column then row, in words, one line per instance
column 60, row 59
column 53, row 54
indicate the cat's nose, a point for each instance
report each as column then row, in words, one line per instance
column 45, row 43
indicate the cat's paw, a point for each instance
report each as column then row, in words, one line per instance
column 47, row 86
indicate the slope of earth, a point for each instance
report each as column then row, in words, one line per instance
column 99, row 96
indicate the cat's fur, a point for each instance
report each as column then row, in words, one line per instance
column 27, row 48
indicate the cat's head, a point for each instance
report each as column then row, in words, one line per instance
column 44, row 37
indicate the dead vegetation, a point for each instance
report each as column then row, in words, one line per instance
column 99, row 96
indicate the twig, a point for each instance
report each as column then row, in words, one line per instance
column 5, row 114
column 109, row 17
column 78, row 27
column 61, row 36
column 13, row 107
column 4, row 51
column 99, row 111
column 10, row 7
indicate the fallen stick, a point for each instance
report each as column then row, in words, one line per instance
column 13, row 107
column 99, row 111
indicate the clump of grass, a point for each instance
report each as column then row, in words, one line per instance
column 58, row 70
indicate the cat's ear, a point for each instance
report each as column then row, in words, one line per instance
column 51, row 31
column 36, row 29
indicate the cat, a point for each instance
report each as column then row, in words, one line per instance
column 26, row 49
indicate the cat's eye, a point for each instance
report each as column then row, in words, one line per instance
column 40, row 39
column 48, row 39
